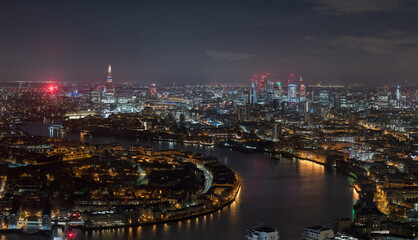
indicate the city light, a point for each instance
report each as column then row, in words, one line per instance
column 52, row 88
column 205, row 114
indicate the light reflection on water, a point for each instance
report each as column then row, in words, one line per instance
column 286, row 194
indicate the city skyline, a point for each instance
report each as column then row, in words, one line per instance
column 351, row 150
column 250, row 119
column 325, row 41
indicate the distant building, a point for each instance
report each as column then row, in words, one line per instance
column 398, row 96
column 136, row 148
column 96, row 96
column 340, row 236
column 292, row 92
column 46, row 219
column 110, row 89
column 14, row 217
column 302, row 93
column 317, row 233
column 262, row 232
column 324, row 98
column 80, row 114
column 148, row 150
column 253, row 94
column 1, row 220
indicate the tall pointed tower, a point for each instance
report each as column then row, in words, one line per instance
column 110, row 89
column 109, row 75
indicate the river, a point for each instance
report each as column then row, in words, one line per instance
column 285, row 194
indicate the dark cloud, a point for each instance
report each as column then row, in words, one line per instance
column 226, row 55
column 365, row 6
column 310, row 38
column 389, row 44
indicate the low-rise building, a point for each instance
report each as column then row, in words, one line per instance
column 262, row 232
column 317, row 233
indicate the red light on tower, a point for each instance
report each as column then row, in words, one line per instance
column 51, row 88
column 72, row 235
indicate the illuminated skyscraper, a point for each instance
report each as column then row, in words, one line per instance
column 269, row 93
column 324, row 97
column 152, row 89
column 302, row 90
column 261, row 81
column 109, row 75
column 109, row 93
column 277, row 91
column 398, row 96
column 110, row 89
column 253, row 94
column 291, row 89
column 291, row 92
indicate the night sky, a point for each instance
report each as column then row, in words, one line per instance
column 328, row 41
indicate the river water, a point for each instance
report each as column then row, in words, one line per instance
column 285, row 194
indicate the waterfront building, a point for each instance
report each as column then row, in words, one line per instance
column 80, row 114
column 14, row 217
column 46, row 219
column 136, row 148
column 317, row 233
column 340, row 236
column 262, row 232
column 389, row 237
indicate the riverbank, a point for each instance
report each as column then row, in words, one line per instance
column 270, row 190
column 198, row 214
